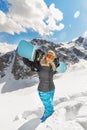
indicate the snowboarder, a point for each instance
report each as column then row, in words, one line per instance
column 46, row 67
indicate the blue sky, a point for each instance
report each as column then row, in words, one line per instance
column 54, row 20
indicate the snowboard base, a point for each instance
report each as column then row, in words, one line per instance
column 62, row 67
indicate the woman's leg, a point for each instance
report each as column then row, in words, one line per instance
column 52, row 95
column 47, row 100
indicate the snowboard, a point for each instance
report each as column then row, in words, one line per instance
column 62, row 67
column 28, row 50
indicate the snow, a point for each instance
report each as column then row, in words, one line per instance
column 73, row 44
column 85, row 34
column 21, row 107
column 5, row 47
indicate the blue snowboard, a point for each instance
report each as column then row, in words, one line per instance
column 62, row 67
column 28, row 50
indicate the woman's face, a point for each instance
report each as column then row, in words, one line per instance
column 50, row 57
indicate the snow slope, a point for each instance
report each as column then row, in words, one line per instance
column 21, row 109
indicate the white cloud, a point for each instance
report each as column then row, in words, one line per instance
column 34, row 14
column 85, row 34
column 2, row 18
column 77, row 14
column 55, row 15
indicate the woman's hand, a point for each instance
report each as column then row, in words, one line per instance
column 50, row 61
column 52, row 64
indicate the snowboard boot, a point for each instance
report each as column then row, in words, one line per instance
column 45, row 116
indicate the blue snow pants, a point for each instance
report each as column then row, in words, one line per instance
column 47, row 100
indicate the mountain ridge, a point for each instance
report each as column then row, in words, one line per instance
column 70, row 53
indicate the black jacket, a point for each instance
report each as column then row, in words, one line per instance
column 45, row 74
column 46, row 79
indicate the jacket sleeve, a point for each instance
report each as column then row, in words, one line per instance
column 27, row 62
column 35, row 66
column 56, row 61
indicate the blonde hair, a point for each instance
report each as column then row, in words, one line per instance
column 52, row 52
column 43, row 60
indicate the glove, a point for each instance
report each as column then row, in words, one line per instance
column 39, row 54
column 35, row 66
column 56, row 61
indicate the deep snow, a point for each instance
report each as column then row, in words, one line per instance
column 20, row 109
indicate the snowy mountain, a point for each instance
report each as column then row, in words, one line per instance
column 70, row 53
column 20, row 105
column 82, row 42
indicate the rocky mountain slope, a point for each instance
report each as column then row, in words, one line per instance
column 70, row 53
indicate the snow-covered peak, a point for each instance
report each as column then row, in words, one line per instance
column 85, row 34
column 80, row 43
column 5, row 47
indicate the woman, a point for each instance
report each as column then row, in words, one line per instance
column 46, row 88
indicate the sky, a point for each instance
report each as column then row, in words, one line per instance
column 53, row 20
